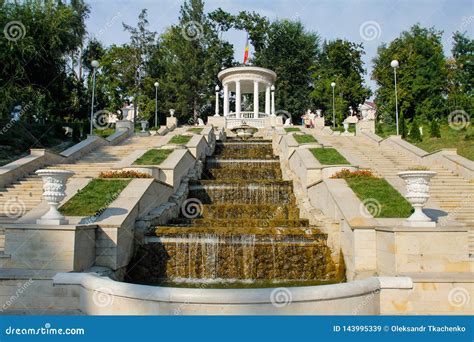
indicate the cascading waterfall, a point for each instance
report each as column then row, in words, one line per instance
column 249, row 228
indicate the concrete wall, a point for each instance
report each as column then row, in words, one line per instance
column 176, row 166
column 27, row 294
column 115, row 234
column 103, row 296
column 67, row 248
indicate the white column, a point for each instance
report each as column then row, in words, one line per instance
column 226, row 99
column 267, row 100
column 238, row 95
column 273, row 101
column 217, row 102
column 255, row 99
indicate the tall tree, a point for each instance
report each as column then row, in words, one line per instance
column 141, row 48
column 422, row 76
column 461, row 73
column 40, row 36
column 340, row 61
column 191, row 55
column 291, row 52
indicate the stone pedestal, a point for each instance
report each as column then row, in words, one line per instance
column 365, row 125
column 45, row 247
column 216, row 121
column 276, row 121
column 319, row 122
column 124, row 125
column 171, row 122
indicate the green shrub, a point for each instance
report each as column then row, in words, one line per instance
column 403, row 126
column 469, row 136
column 435, row 132
column 414, row 134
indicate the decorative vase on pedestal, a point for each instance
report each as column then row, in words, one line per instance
column 143, row 123
column 418, row 188
column 54, row 191
column 346, row 127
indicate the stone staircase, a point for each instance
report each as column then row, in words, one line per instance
column 453, row 193
column 25, row 194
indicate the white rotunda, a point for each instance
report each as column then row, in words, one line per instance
column 248, row 80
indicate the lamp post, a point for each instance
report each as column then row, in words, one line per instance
column 394, row 64
column 272, row 89
column 95, row 65
column 217, row 100
column 333, row 85
column 156, row 103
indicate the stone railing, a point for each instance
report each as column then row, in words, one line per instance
column 360, row 297
column 447, row 157
column 40, row 158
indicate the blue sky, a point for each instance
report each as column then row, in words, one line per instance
column 371, row 22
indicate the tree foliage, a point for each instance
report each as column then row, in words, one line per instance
column 340, row 61
column 291, row 52
column 34, row 68
column 421, row 76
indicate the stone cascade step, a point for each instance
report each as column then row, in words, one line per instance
column 453, row 193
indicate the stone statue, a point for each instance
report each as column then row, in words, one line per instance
column 287, row 122
column 319, row 113
column 200, row 122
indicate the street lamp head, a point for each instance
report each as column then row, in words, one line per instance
column 217, row 88
column 333, row 84
column 272, row 88
column 394, row 63
column 156, row 84
column 95, row 64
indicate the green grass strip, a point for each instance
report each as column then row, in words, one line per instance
column 180, row 139
column 379, row 197
column 304, row 138
column 328, row 156
column 95, row 197
column 292, row 129
column 195, row 130
column 153, row 157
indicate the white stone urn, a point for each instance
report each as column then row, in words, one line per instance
column 172, row 112
column 143, row 123
column 418, row 188
column 54, row 191
column 346, row 127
